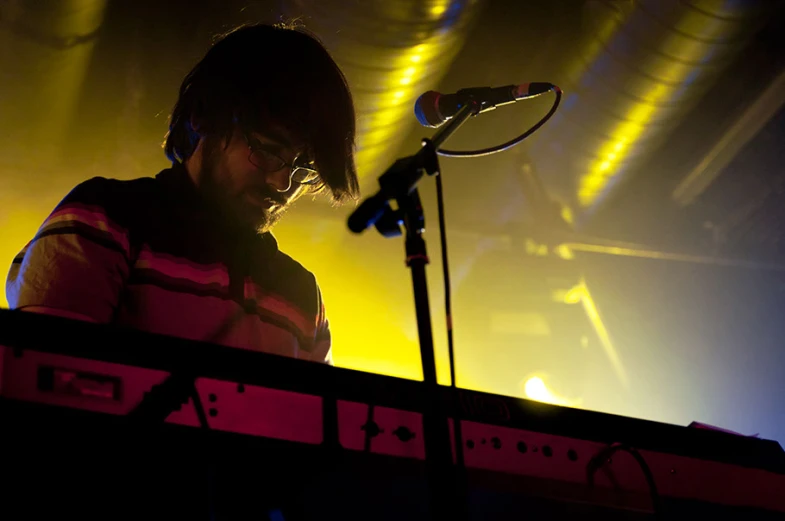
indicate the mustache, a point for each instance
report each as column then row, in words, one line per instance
column 266, row 192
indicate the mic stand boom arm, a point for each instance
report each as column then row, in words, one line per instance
column 399, row 183
column 401, row 179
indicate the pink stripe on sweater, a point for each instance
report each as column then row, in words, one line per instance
column 279, row 306
column 172, row 267
column 93, row 218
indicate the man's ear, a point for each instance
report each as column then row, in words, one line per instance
column 194, row 124
column 193, row 132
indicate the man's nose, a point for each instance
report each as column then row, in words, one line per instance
column 281, row 179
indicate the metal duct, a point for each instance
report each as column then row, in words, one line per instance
column 646, row 64
column 391, row 52
column 45, row 48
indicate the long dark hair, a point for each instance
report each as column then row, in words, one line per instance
column 257, row 75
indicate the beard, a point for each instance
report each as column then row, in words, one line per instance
column 232, row 203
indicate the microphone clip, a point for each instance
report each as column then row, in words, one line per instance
column 398, row 183
column 487, row 97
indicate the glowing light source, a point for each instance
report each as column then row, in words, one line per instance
column 438, row 10
column 574, row 295
column 535, row 389
column 407, row 75
column 564, row 252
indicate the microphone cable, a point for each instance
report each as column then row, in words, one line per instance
column 461, row 477
column 509, row 144
column 604, row 455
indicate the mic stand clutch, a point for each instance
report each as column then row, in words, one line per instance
column 399, row 183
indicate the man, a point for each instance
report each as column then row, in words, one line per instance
column 263, row 119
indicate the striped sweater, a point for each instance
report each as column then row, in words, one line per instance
column 147, row 254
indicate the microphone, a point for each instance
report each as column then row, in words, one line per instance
column 433, row 109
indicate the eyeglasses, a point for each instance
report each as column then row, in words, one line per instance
column 265, row 158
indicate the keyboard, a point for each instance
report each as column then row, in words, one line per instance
column 518, row 454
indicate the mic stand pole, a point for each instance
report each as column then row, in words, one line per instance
column 447, row 496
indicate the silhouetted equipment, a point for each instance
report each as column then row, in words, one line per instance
column 290, row 437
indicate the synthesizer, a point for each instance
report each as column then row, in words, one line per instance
column 56, row 373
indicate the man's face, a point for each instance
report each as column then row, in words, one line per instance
column 250, row 195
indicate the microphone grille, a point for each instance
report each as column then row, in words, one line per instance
column 426, row 109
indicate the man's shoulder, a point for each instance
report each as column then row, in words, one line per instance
column 121, row 201
column 295, row 282
column 288, row 266
column 104, row 190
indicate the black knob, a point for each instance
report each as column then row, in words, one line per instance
column 372, row 428
column 403, row 433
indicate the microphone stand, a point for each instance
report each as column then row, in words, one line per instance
column 447, row 496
